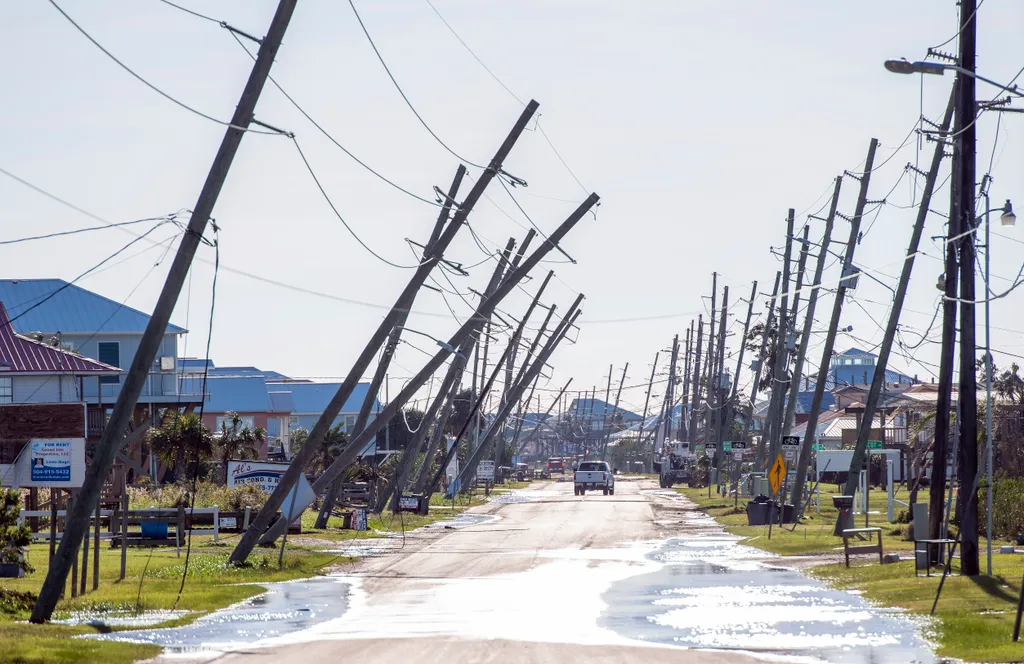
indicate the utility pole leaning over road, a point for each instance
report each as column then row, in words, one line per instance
column 77, row 523
column 729, row 412
column 389, row 349
column 305, row 454
column 848, row 271
column 878, row 380
column 964, row 152
column 760, row 360
column 670, row 391
column 773, row 421
column 604, row 416
column 483, row 312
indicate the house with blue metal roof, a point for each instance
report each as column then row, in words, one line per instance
column 857, row 367
column 96, row 327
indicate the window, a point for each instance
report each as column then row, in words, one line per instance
column 6, row 389
column 245, row 422
column 350, row 423
column 109, row 353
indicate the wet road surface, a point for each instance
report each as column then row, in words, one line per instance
column 551, row 577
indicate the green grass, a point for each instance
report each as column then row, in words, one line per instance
column 210, row 585
column 813, row 535
column 974, row 616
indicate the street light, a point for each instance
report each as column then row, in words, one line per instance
column 904, row 66
column 1008, row 218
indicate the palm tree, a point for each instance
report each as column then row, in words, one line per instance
column 237, row 441
column 184, row 441
column 331, row 446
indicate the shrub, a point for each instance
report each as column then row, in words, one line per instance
column 1007, row 507
column 13, row 538
column 207, row 494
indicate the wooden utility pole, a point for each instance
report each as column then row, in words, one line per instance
column 695, row 399
column 761, row 359
column 878, row 379
column 729, row 412
column 712, row 361
column 716, row 382
column 110, row 442
column 517, row 391
column 812, row 302
column 402, row 305
column 604, row 417
column 774, row 418
column 615, row 410
column 794, row 381
column 647, row 402
column 684, row 425
column 964, row 153
column 833, row 327
column 543, row 418
column 389, row 349
column 670, row 391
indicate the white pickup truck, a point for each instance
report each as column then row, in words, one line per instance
column 594, row 475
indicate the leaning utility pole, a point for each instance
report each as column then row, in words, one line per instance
column 323, row 423
column 603, row 441
column 696, row 383
column 77, row 525
column 517, row 391
column 760, row 360
column 729, row 412
column 647, row 402
column 615, row 410
column 389, row 349
column 684, row 425
column 812, row 302
column 716, row 381
column 670, row 391
column 773, row 420
column 849, row 271
column 458, row 363
column 794, row 381
column 878, row 379
column 965, row 155
column 543, row 418
column 483, row 312
column 712, row 362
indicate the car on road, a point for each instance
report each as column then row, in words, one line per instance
column 594, row 475
column 556, row 465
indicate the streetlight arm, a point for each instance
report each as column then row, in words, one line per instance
column 904, row 66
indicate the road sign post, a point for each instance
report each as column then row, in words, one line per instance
column 776, row 478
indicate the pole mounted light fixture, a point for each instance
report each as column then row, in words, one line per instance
column 904, row 66
column 1008, row 218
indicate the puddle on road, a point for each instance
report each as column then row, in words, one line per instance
column 713, row 593
column 119, row 618
column 284, row 609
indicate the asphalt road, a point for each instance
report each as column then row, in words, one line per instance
column 523, row 585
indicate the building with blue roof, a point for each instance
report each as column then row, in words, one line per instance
column 96, row 327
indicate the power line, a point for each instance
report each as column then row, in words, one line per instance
column 149, row 85
column 331, row 138
column 342, row 219
column 83, row 230
column 194, row 13
column 402, row 92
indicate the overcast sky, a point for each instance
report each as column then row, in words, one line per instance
column 698, row 124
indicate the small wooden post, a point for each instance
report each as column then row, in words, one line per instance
column 33, row 504
column 85, row 556
column 179, row 535
column 216, row 523
column 124, row 525
column 245, row 519
column 96, row 549
column 54, row 495
column 74, row 559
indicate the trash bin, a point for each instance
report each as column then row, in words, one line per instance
column 153, row 530
column 788, row 513
column 759, row 511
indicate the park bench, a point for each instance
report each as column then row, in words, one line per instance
column 858, row 534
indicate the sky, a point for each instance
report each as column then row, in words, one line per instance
column 699, row 124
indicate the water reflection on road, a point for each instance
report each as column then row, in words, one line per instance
column 713, row 592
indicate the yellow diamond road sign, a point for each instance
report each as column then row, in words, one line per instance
column 777, row 474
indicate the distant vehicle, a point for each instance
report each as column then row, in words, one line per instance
column 594, row 475
column 556, row 465
column 675, row 465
